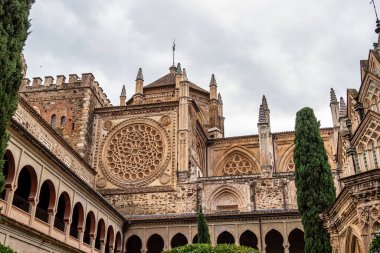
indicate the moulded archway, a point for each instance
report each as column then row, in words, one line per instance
column 353, row 243
column 155, row 244
column 63, row 211
column 77, row 220
column 26, row 188
column 89, row 230
column 9, row 170
column 46, row 201
column 178, row 240
column 296, row 241
column 118, row 243
column 225, row 237
column 100, row 234
column 134, row 244
column 249, row 239
column 274, row 242
column 226, row 198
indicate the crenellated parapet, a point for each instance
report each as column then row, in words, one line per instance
column 87, row 80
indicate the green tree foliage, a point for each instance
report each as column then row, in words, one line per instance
column 314, row 183
column 208, row 248
column 14, row 25
column 375, row 244
column 5, row 249
column 203, row 234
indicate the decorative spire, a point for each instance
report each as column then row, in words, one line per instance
column 333, row 99
column 123, row 92
column 342, row 108
column 184, row 75
column 262, row 117
column 179, row 71
column 220, row 98
column 213, row 80
column 140, row 75
column 264, row 103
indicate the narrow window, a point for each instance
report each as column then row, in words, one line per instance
column 63, row 120
column 52, row 120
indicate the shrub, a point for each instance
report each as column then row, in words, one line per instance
column 5, row 249
column 375, row 245
column 208, row 248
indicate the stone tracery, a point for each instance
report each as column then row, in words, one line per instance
column 135, row 152
column 237, row 164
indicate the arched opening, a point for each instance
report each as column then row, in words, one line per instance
column 77, row 220
column 355, row 246
column 118, row 243
column 8, row 172
column 90, row 228
column 296, row 241
column 375, row 228
column 46, row 201
column 134, row 244
column 100, row 233
column 53, row 120
column 155, row 244
column 109, row 240
column 225, row 237
column 178, row 240
column 195, row 239
column 249, row 239
column 63, row 211
column 274, row 241
column 63, row 121
column 26, row 188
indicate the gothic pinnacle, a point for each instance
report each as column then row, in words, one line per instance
column 140, row 75
column 213, row 80
column 262, row 117
column 123, row 92
column 264, row 103
column 333, row 96
column 220, row 98
column 179, row 71
column 184, row 75
column 342, row 108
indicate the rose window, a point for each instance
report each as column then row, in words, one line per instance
column 238, row 165
column 135, row 152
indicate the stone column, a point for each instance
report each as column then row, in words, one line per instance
column 32, row 210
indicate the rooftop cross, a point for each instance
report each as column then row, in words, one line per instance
column 377, row 30
column 173, row 47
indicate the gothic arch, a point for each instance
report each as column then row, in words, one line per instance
column 237, row 161
column 287, row 157
column 226, row 198
column 353, row 240
column 9, row 171
column 225, row 237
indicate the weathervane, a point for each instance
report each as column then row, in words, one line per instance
column 377, row 30
column 173, row 47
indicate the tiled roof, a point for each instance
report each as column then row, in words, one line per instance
column 169, row 79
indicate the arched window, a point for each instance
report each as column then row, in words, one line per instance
column 90, row 228
column 8, row 172
column 53, row 120
column 46, row 201
column 178, row 240
column 63, row 120
column 100, row 233
column 155, row 244
column 296, row 241
column 109, row 240
column 249, row 239
column 225, row 237
column 63, row 211
column 77, row 220
column 274, row 241
column 134, row 244
column 118, row 243
column 26, row 188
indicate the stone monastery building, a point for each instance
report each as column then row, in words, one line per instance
column 86, row 176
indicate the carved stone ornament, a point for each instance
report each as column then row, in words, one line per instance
column 135, row 152
column 238, row 165
column 165, row 120
column 107, row 125
column 101, row 182
column 164, row 179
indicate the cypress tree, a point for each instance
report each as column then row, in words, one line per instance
column 203, row 234
column 313, row 178
column 14, row 25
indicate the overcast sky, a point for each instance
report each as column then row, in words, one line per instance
column 292, row 51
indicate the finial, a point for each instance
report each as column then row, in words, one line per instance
column 173, row 48
column 333, row 99
column 213, row 80
column 179, row 71
column 262, row 117
column 140, row 75
column 342, row 108
column 123, row 92
column 265, row 103
column 220, row 98
column 377, row 30
column 184, row 75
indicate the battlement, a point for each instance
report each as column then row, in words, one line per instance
column 86, row 80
